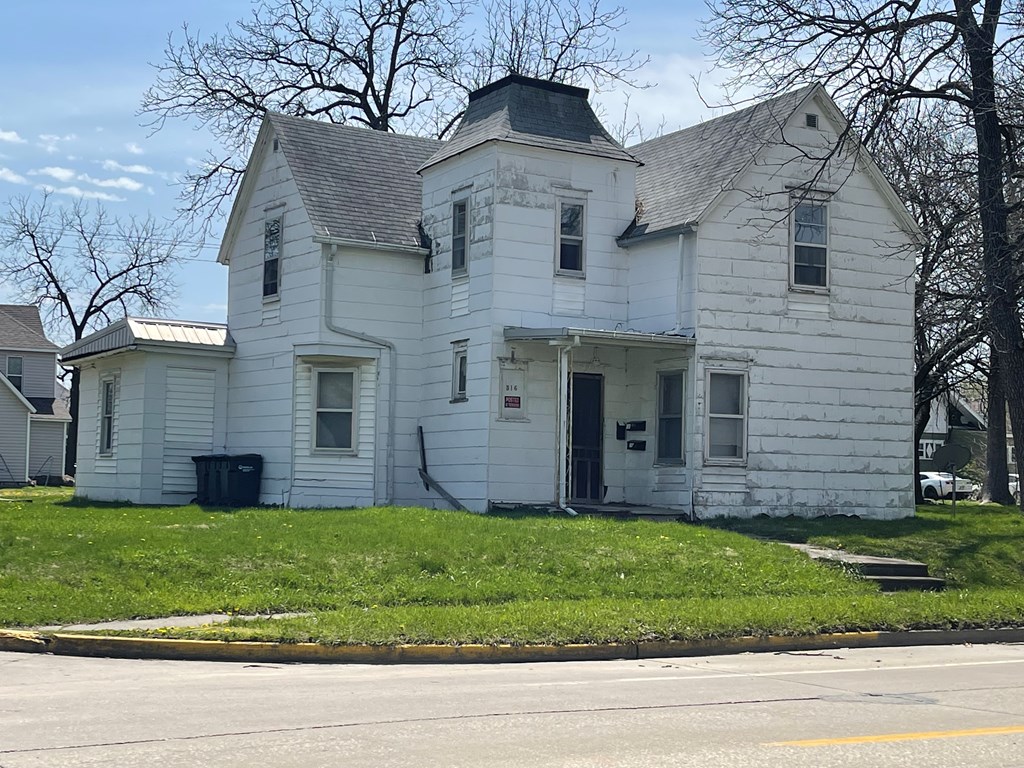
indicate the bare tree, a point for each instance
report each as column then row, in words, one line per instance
column 85, row 269
column 571, row 41
column 921, row 156
column 384, row 64
column 876, row 56
column 366, row 62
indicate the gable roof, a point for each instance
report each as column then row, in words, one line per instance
column 150, row 334
column 21, row 328
column 684, row 172
column 687, row 172
column 537, row 113
column 356, row 183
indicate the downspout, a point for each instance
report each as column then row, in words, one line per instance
column 679, row 287
column 564, row 352
column 392, row 367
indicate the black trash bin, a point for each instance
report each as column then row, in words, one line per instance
column 223, row 480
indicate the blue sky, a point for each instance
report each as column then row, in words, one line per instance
column 74, row 74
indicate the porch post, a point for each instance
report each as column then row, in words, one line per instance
column 564, row 436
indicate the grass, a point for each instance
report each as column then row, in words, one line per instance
column 982, row 547
column 417, row 575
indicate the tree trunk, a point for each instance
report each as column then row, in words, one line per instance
column 997, row 253
column 997, row 476
column 71, row 448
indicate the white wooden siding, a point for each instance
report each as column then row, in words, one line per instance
column 328, row 479
column 188, row 426
column 830, row 375
column 46, row 448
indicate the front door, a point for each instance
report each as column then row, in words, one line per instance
column 585, row 477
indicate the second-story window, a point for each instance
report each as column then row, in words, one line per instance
column 271, row 257
column 460, row 238
column 16, row 371
column 810, row 245
column 569, row 250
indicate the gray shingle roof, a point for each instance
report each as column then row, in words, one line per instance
column 685, row 171
column 355, row 183
column 50, row 406
column 21, row 328
column 537, row 113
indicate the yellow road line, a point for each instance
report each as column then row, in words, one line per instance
column 884, row 737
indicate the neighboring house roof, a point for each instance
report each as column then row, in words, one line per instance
column 53, row 407
column 356, row 183
column 6, row 384
column 537, row 113
column 133, row 333
column 684, row 172
column 21, row 328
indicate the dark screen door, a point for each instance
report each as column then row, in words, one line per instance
column 585, row 481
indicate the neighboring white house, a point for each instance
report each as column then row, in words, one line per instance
column 712, row 322
column 33, row 418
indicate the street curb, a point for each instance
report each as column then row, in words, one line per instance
column 63, row 644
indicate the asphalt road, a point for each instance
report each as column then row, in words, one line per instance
column 945, row 706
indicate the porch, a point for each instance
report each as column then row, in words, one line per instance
column 604, row 425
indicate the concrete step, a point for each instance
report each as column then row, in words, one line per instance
column 908, row 583
column 884, row 566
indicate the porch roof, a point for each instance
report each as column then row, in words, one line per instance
column 596, row 336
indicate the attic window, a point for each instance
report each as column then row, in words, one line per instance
column 811, row 120
column 277, row 145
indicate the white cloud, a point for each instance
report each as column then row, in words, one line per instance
column 121, row 182
column 12, row 137
column 85, row 194
column 50, row 142
column 113, row 165
column 55, row 172
column 6, row 174
column 134, row 148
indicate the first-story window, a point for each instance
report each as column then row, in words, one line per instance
column 15, row 372
column 108, row 401
column 810, row 245
column 727, row 416
column 335, row 412
column 271, row 256
column 460, row 370
column 670, row 417
column 569, row 250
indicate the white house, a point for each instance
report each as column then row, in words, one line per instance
column 712, row 322
column 33, row 417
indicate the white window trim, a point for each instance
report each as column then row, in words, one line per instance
column 582, row 272
column 314, row 396
column 20, row 386
column 658, row 460
column 276, row 296
column 462, row 271
column 824, row 203
column 113, row 382
column 726, row 461
column 460, row 349
column 922, row 448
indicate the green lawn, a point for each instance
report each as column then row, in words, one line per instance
column 417, row 575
